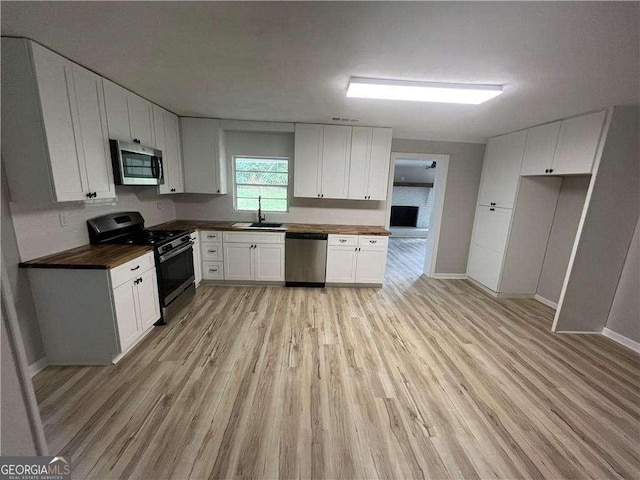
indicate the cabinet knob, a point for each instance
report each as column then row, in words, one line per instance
column 173, row 189
column 218, row 191
column 551, row 170
column 136, row 140
column 89, row 195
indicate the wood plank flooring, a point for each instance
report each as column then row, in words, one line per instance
column 420, row 379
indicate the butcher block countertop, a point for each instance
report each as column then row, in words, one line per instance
column 193, row 225
column 90, row 257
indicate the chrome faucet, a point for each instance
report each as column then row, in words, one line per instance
column 261, row 218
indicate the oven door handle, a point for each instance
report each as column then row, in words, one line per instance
column 173, row 253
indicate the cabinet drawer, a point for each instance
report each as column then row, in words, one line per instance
column 492, row 227
column 211, row 251
column 212, row 270
column 209, row 236
column 346, row 240
column 131, row 269
column 253, row 237
column 373, row 241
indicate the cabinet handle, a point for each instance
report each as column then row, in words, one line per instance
column 546, row 170
column 492, row 209
column 135, row 268
column 213, row 269
column 140, row 279
column 373, row 241
column 342, row 240
column 136, row 140
column 212, row 251
column 173, row 189
column 218, row 191
column 322, row 195
column 551, row 170
column 89, row 195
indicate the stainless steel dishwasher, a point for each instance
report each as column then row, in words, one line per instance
column 305, row 260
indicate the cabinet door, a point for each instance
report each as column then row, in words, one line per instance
column 57, row 102
column 539, row 149
column 307, row 160
column 148, row 300
column 269, row 262
column 485, row 266
column 197, row 258
column 200, row 155
column 336, row 152
column 115, row 98
column 125, row 301
column 501, row 170
column 578, row 143
column 173, row 165
column 141, row 119
column 94, row 132
column 238, row 261
column 371, row 264
column 492, row 227
column 359, row 164
column 378, row 174
column 158, row 129
column 341, row 264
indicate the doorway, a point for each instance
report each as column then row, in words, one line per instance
column 414, row 212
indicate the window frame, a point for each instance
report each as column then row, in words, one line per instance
column 261, row 157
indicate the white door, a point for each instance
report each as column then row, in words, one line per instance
column 371, row 264
column 238, row 261
column 336, row 148
column 539, row 149
column 124, row 298
column 501, row 170
column 492, row 227
column 578, row 143
column 92, row 119
column 269, row 262
column 485, row 266
column 173, row 166
column 115, row 98
column 57, row 101
column 378, row 173
column 359, row 164
column 199, row 144
column 141, row 118
column 148, row 301
column 307, row 169
column 341, row 264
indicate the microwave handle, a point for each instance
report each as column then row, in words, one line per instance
column 156, row 168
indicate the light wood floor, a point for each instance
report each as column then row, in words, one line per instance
column 419, row 379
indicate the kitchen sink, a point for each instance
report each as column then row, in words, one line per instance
column 265, row 225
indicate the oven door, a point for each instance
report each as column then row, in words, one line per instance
column 175, row 272
column 136, row 165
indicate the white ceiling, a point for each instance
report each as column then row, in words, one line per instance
column 292, row 61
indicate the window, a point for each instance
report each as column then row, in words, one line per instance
column 264, row 177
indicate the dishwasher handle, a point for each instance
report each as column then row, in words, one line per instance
column 306, row 236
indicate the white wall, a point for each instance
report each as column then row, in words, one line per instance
column 39, row 231
column 301, row 210
column 624, row 316
column 416, row 197
column 573, row 193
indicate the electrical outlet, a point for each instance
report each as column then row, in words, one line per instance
column 63, row 220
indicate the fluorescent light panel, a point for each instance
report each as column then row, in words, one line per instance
column 421, row 91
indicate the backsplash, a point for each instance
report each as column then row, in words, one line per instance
column 39, row 229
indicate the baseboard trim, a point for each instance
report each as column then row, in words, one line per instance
column 621, row 339
column 449, row 276
column 486, row 290
column 38, row 366
column 546, row 301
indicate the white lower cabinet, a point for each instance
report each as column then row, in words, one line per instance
column 356, row 259
column 253, row 256
column 485, row 266
column 92, row 317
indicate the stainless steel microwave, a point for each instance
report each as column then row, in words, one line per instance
column 135, row 164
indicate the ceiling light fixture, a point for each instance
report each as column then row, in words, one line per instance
column 421, row 91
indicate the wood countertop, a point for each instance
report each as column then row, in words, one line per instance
column 192, row 225
column 90, row 257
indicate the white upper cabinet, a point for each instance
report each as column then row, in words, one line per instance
column 308, row 160
column 336, row 152
column 167, row 135
column 578, row 144
column 54, row 137
column 539, row 150
column 501, row 170
column 129, row 116
column 335, row 161
column 203, row 156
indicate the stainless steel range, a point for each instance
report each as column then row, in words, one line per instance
column 173, row 254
